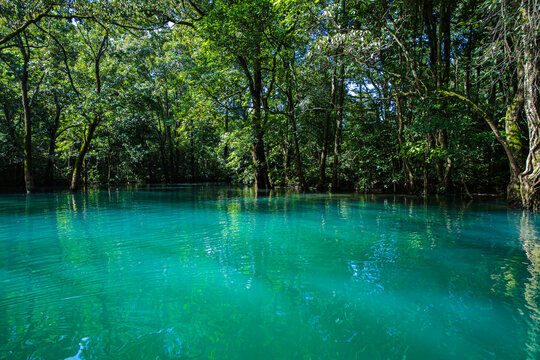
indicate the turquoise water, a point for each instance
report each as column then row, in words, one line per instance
column 218, row 273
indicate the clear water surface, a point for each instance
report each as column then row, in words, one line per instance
column 201, row 272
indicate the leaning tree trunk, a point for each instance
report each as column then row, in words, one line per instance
column 79, row 162
column 511, row 156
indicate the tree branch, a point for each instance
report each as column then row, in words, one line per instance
column 65, row 59
column 37, row 19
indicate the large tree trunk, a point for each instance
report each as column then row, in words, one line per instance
column 401, row 141
column 431, row 30
column 262, row 181
column 530, row 178
column 339, row 125
column 291, row 109
column 285, row 149
column 27, row 116
column 444, row 55
column 226, row 147
column 513, row 138
column 192, row 150
column 340, row 103
column 321, row 185
column 260, row 168
column 446, row 166
column 163, row 157
column 28, row 170
column 439, row 40
column 530, row 56
column 297, row 154
column 468, row 55
column 445, row 39
column 170, row 162
column 169, row 136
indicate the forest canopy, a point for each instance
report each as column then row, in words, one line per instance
column 412, row 96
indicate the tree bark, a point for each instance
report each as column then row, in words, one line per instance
column 27, row 116
column 530, row 178
column 291, row 109
column 513, row 137
column 401, row 141
column 297, row 154
column 260, row 169
column 79, row 162
column 444, row 38
column 431, row 30
column 162, row 155
column 262, row 181
column 511, row 156
column 446, row 167
column 192, row 150
column 285, row 149
column 49, row 170
column 340, row 102
column 321, row 184
column 226, row 147
column 339, row 126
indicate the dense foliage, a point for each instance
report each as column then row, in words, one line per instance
column 417, row 96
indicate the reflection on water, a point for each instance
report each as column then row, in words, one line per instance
column 226, row 273
column 531, row 246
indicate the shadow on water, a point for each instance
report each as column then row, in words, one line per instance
column 224, row 272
